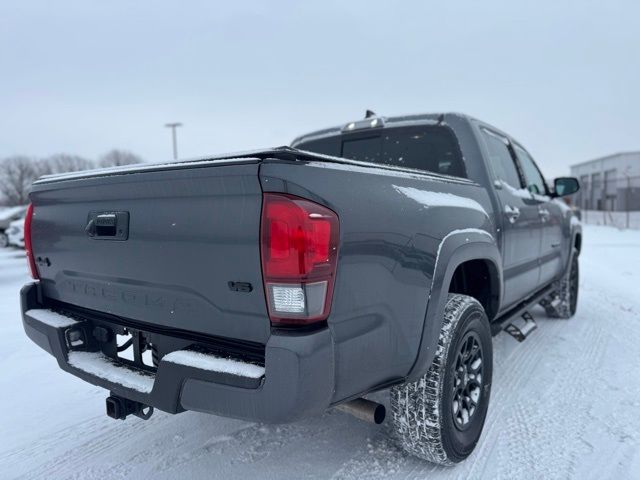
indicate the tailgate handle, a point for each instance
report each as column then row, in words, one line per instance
column 108, row 225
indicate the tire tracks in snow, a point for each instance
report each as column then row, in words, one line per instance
column 154, row 446
column 526, row 444
column 509, row 378
column 382, row 458
column 100, row 438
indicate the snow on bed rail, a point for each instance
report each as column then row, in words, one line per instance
column 51, row 318
column 428, row 199
column 98, row 364
column 141, row 167
column 213, row 363
column 345, row 164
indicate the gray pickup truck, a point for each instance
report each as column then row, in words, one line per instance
column 276, row 284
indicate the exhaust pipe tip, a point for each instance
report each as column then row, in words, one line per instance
column 379, row 414
column 367, row 410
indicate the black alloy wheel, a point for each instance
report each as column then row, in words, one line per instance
column 574, row 279
column 467, row 383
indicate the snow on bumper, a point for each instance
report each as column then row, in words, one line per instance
column 297, row 379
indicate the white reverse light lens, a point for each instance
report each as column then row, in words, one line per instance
column 298, row 300
column 287, row 299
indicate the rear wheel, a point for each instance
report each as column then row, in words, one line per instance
column 4, row 240
column 440, row 417
column 563, row 301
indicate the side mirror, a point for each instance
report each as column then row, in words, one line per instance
column 564, row 186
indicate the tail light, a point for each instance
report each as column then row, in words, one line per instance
column 28, row 246
column 299, row 246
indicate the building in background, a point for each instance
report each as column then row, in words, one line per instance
column 610, row 183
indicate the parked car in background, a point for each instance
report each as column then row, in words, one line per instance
column 7, row 216
column 15, row 233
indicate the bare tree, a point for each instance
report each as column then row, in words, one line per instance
column 64, row 162
column 17, row 173
column 16, row 176
column 116, row 158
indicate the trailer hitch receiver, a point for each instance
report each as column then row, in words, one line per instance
column 120, row 408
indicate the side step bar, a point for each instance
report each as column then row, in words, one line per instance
column 520, row 328
column 511, row 316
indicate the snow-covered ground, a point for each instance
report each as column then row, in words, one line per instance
column 565, row 404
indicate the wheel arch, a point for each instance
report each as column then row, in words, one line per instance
column 456, row 249
column 478, row 278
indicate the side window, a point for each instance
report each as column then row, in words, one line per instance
column 501, row 160
column 533, row 177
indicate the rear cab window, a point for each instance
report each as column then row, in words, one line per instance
column 429, row 148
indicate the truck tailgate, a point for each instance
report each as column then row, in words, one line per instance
column 161, row 247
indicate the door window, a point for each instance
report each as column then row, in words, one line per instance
column 500, row 159
column 533, row 177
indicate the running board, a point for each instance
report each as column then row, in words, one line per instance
column 520, row 328
column 512, row 315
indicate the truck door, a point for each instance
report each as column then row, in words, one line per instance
column 550, row 217
column 519, row 221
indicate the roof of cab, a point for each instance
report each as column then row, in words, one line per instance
column 396, row 121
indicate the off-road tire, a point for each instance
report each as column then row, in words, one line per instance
column 4, row 240
column 423, row 411
column 562, row 302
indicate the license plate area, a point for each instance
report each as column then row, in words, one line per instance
column 143, row 346
column 134, row 348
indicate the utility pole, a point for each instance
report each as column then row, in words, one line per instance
column 173, row 127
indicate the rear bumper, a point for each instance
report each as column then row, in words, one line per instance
column 298, row 378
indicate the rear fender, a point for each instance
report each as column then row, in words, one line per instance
column 455, row 248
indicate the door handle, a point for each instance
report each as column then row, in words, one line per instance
column 544, row 214
column 512, row 213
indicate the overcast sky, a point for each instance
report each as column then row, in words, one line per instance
column 87, row 76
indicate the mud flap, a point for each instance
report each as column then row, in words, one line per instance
column 521, row 327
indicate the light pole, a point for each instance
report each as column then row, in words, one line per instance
column 173, row 127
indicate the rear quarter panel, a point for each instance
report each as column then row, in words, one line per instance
column 392, row 224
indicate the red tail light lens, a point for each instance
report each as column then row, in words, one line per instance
column 299, row 246
column 28, row 246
